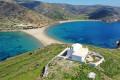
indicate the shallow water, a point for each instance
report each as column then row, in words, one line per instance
column 95, row 33
column 14, row 43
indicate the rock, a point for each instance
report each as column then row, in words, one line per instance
column 30, row 53
column 118, row 44
column 112, row 19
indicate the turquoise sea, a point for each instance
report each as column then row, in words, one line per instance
column 14, row 43
column 96, row 33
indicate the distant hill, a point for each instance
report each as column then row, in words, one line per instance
column 11, row 1
column 67, row 11
column 15, row 12
column 108, row 14
column 52, row 11
column 80, row 9
column 12, row 13
column 24, row 0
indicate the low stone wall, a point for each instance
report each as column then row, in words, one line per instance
column 45, row 73
column 99, row 62
column 60, row 55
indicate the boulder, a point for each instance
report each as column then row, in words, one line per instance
column 118, row 44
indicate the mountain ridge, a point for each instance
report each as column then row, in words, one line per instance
column 49, row 10
column 73, row 11
column 16, row 12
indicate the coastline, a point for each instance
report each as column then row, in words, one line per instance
column 75, row 21
column 40, row 35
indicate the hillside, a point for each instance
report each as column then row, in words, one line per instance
column 80, row 9
column 10, row 1
column 67, row 11
column 108, row 14
column 52, row 11
column 30, row 65
column 100, row 12
column 20, row 1
column 12, row 14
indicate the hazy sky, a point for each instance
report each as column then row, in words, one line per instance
column 86, row 2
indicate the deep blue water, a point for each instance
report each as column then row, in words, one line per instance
column 95, row 33
column 14, row 43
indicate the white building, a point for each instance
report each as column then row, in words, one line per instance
column 77, row 53
column 24, row 25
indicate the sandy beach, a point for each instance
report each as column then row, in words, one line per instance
column 41, row 36
column 76, row 20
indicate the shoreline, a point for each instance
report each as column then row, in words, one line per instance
column 41, row 36
column 75, row 21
